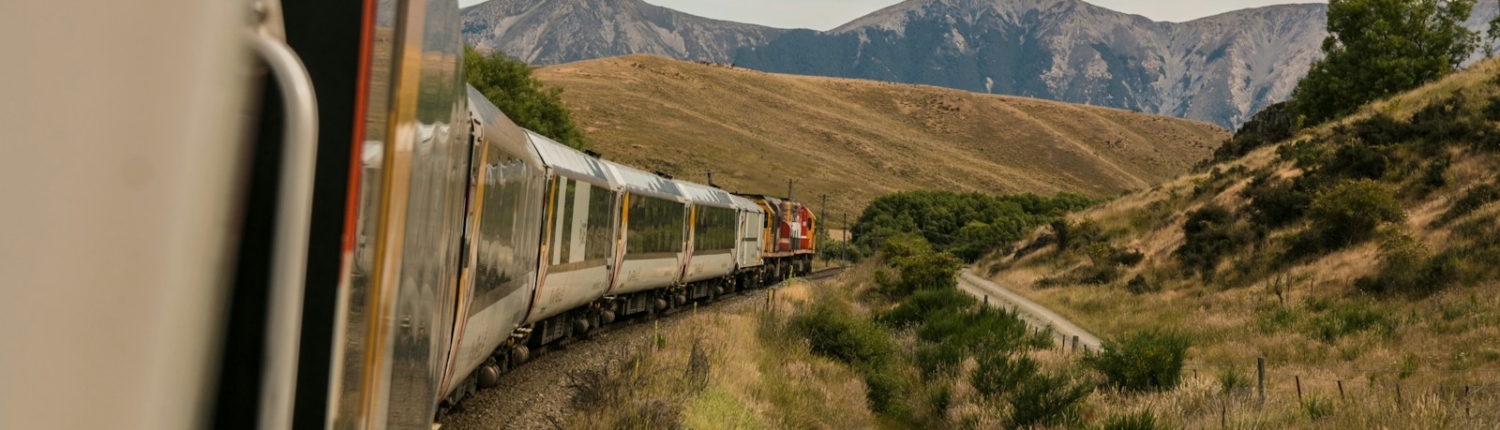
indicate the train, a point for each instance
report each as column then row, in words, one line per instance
column 265, row 215
column 558, row 242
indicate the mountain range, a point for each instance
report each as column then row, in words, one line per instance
column 1220, row 69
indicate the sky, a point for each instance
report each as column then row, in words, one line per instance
column 827, row 14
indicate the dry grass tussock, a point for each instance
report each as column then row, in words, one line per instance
column 855, row 140
column 1305, row 316
column 718, row 370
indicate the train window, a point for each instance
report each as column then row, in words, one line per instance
column 600, row 223
column 655, row 225
column 562, row 231
column 713, row 229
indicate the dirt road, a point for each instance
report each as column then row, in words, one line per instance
column 1033, row 313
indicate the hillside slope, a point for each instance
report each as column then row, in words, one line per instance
column 855, row 140
column 1366, row 250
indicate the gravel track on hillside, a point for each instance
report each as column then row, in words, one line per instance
column 536, row 394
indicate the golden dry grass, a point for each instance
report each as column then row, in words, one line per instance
column 751, row 384
column 1436, row 347
column 855, row 140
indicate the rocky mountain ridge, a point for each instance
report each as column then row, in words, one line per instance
column 1220, row 69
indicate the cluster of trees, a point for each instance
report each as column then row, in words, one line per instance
column 1374, row 49
column 508, row 83
column 967, row 225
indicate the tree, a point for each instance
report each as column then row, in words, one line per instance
column 509, row 85
column 1376, row 48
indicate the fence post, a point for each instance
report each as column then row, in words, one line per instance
column 986, row 300
column 1298, row 379
column 1341, row 390
column 1075, row 343
column 1467, row 401
column 1260, row 378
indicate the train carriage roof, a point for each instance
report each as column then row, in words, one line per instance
column 638, row 181
column 569, row 162
column 745, row 204
column 498, row 129
column 705, row 195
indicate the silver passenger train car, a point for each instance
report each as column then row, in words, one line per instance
column 560, row 242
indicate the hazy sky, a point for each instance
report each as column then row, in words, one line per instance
column 827, row 14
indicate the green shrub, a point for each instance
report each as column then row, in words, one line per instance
column 951, row 335
column 884, row 388
column 1142, row 361
column 834, row 331
column 1046, row 400
column 904, row 245
column 1143, row 420
column 999, row 374
column 1273, row 124
column 1274, row 204
column 1317, row 407
column 929, row 271
column 509, row 84
column 1351, row 211
column 969, row 225
column 1232, row 381
column 1407, row 268
column 1209, row 235
column 1097, row 274
column 916, row 309
column 830, row 250
column 1348, row 319
column 1139, row 285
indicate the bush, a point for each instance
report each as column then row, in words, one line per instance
column 1406, row 267
column 1350, row 212
column 1139, row 285
column 830, row 250
column 1317, row 407
column 508, row 84
column 835, row 332
column 1143, row 420
column 1273, row 124
column 1046, row 400
column 1099, row 274
column 918, row 307
column 1000, row 374
column 1143, row 361
column 904, row 245
column 952, row 335
column 1209, row 235
column 929, row 271
column 1348, row 319
column 969, row 225
column 1275, row 204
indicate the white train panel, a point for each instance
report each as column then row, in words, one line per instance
column 641, row 273
column 714, row 264
column 581, row 248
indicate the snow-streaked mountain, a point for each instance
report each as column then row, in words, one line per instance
column 1220, row 69
column 544, row 32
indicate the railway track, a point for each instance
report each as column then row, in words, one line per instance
column 826, row 272
column 456, row 416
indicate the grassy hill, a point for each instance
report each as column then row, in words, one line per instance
column 1361, row 259
column 855, row 140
